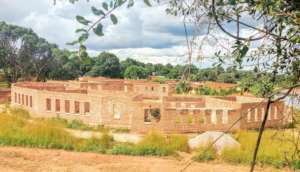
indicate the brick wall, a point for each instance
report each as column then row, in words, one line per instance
column 114, row 105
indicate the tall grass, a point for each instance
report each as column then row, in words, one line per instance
column 276, row 149
column 155, row 144
column 205, row 153
column 17, row 129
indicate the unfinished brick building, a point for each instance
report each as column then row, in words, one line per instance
column 141, row 105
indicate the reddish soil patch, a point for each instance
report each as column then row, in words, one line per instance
column 13, row 159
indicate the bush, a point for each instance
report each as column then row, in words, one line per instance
column 123, row 149
column 205, row 153
column 91, row 145
column 179, row 143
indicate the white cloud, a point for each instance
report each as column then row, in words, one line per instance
column 143, row 33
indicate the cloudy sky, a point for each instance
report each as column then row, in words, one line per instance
column 143, row 33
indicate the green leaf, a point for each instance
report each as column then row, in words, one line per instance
column 114, row 19
column 83, row 37
column 98, row 30
column 244, row 51
column 105, row 6
column 147, row 2
column 232, row 2
column 120, row 2
column 97, row 12
column 82, row 20
column 130, row 3
column 81, row 30
column 73, row 43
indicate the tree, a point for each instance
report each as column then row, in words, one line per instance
column 129, row 62
column 22, row 53
column 183, row 87
column 106, row 64
column 135, row 72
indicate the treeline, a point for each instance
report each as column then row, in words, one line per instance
column 26, row 56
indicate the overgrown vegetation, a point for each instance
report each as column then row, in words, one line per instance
column 216, row 92
column 18, row 129
column 154, row 144
column 277, row 149
column 205, row 153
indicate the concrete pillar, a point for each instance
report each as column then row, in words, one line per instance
column 248, row 115
column 262, row 113
column 213, row 116
column 202, row 116
column 81, row 106
column 255, row 115
column 225, row 116
column 275, row 112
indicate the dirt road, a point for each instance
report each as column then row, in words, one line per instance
column 14, row 159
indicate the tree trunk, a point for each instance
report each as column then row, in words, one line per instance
column 261, row 130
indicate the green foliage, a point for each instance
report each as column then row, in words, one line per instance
column 77, row 124
column 190, row 119
column 160, row 79
column 82, row 20
column 106, row 64
column 154, row 144
column 120, row 130
column 205, row 153
column 17, row 129
column 18, row 61
column 274, row 150
column 114, row 19
column 178, row 143
column 96, row 11
column 183, row 87
column 135, row 72
column 98, row 30
column 215, row 92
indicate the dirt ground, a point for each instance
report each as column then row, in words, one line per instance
column 15, row 159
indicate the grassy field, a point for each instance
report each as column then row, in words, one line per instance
column 18, row 129
column 278, row 149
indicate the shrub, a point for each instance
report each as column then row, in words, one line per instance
column 106, row 140
column 205, row 153
column 123, row 149
column 179, row 143
column 91, row 145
